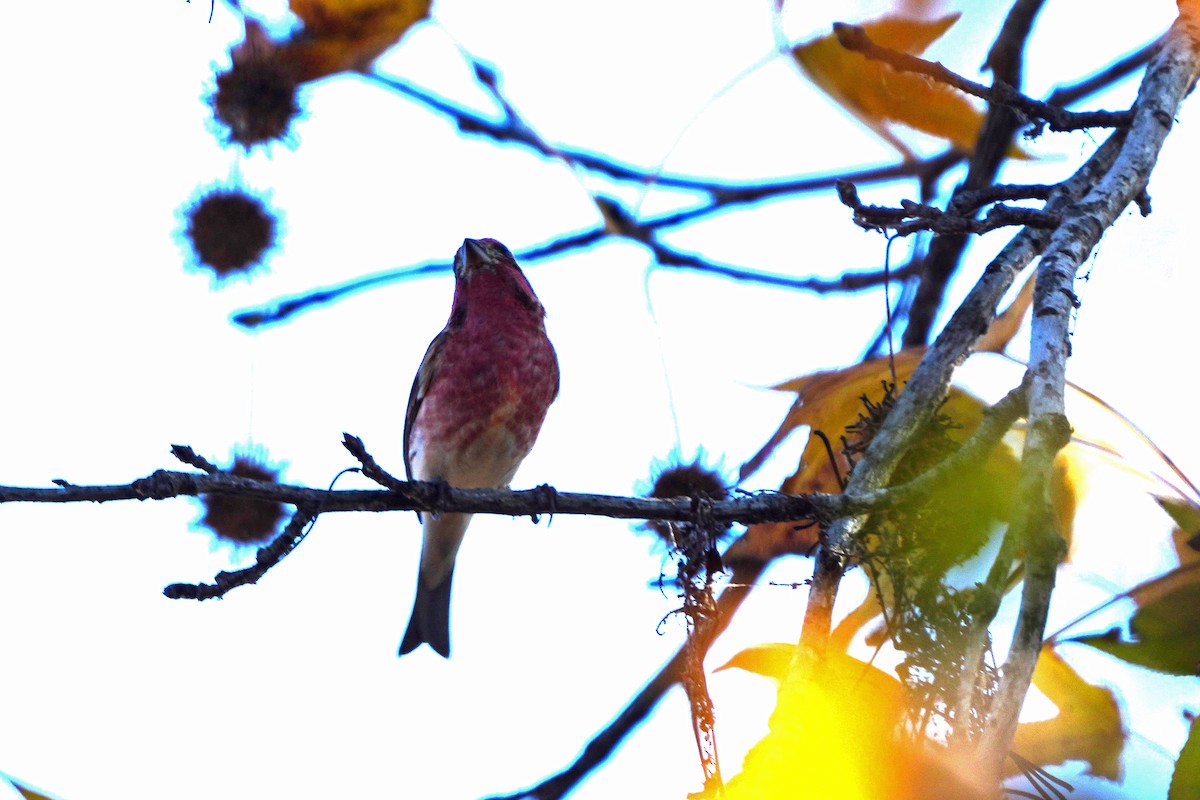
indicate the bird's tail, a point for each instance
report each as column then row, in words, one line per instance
column 430, row 621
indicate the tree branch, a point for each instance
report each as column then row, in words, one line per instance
column 268, row 556
column 401, row 495
column 279, row 310
column 418, row 496
column 1169, row 77
column 722, row 194
column 931, row 379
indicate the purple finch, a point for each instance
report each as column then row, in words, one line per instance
column 476, row 407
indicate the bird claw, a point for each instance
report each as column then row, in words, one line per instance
column 545, row 493
column 441, row 496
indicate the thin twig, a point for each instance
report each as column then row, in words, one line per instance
column 913, row 217
column 279, row 310
column 971, row 199
column 945, row 253
column 519, row 133
column 419, row 496
column 193, row 459
column 370, row 468
column 1099, row 81
column 855, row 38
column 620, row 222
column 1006, row 56
column 268, row 557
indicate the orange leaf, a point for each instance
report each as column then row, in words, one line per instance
column 830, row 401
column 342, row 35
column 27, row 792
column 1006, row 324
column 826, row 401
column 877, row 94
column 1088, row 726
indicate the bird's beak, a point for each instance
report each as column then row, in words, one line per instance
column 474, row 255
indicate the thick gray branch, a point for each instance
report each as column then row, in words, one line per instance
column 1169, row 77
column 930, row 382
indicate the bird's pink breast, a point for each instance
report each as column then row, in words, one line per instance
column 495, row 378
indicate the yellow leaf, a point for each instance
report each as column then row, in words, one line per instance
column 1088, row 726
column 770, row 660
column 847, row 714
column 847, row 711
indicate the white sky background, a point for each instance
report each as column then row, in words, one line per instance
column 292, row 688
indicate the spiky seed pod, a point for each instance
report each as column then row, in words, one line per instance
column 685, row 480
column 256, row 98
column 229, row 231
column 244, row 520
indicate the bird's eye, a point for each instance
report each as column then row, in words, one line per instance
column 500, row 251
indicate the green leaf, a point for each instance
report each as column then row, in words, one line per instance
column 1166, row 625
column 1185, row 783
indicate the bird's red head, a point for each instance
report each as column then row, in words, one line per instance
column 478, row 257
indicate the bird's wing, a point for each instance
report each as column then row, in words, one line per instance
column 419, row 389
